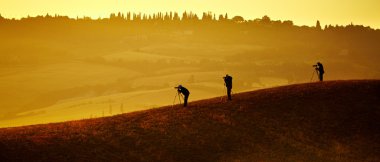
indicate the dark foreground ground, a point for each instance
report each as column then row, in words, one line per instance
column 330, row 121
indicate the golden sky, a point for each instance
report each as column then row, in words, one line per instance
column 305, row 12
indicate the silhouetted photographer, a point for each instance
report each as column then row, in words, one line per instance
column 320, row 71
column 228, row 83
column 182, row 90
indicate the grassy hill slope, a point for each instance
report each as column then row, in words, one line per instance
column 329, row 121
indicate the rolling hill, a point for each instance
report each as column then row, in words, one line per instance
column 329, row 121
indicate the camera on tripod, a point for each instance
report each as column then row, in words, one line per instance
column 178, row 87
column 316, row 67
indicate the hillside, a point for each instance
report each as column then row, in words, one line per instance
column 330, row 121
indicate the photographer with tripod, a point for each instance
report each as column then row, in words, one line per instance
column 228, row 83
column 185, row 92
column 320, row 71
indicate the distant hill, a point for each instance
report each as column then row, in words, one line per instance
column 329, row 121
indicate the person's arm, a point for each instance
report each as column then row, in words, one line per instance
column 180, row 93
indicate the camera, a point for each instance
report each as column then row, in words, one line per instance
column 315, row 65
column 178, row 87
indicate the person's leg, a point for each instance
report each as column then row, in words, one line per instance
column 185, row 100
column 229, row 93
column 321, row 77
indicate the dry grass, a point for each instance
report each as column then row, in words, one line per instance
column 330, row 121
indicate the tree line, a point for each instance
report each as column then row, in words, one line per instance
column 185, row 17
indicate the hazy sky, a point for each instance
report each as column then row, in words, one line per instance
column 305, row 12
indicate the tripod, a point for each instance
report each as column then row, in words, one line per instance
column 312, row 76
column 224, row 97
column 175, row 97
column 223, row 94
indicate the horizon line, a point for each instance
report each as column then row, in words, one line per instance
column 141, row 14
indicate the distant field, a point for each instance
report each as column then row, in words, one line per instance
column 88, row 86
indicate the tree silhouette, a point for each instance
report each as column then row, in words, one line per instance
column 266, row 20
column 318, row 25
column 129, row 16
column 167, row 17
column 207, row 16
column 221, row 18
column 176, row 17
column 184, row 16
column 226, row 17
column 287, row 23
column 2, row 18
column 238, row 19
column 188, row 17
